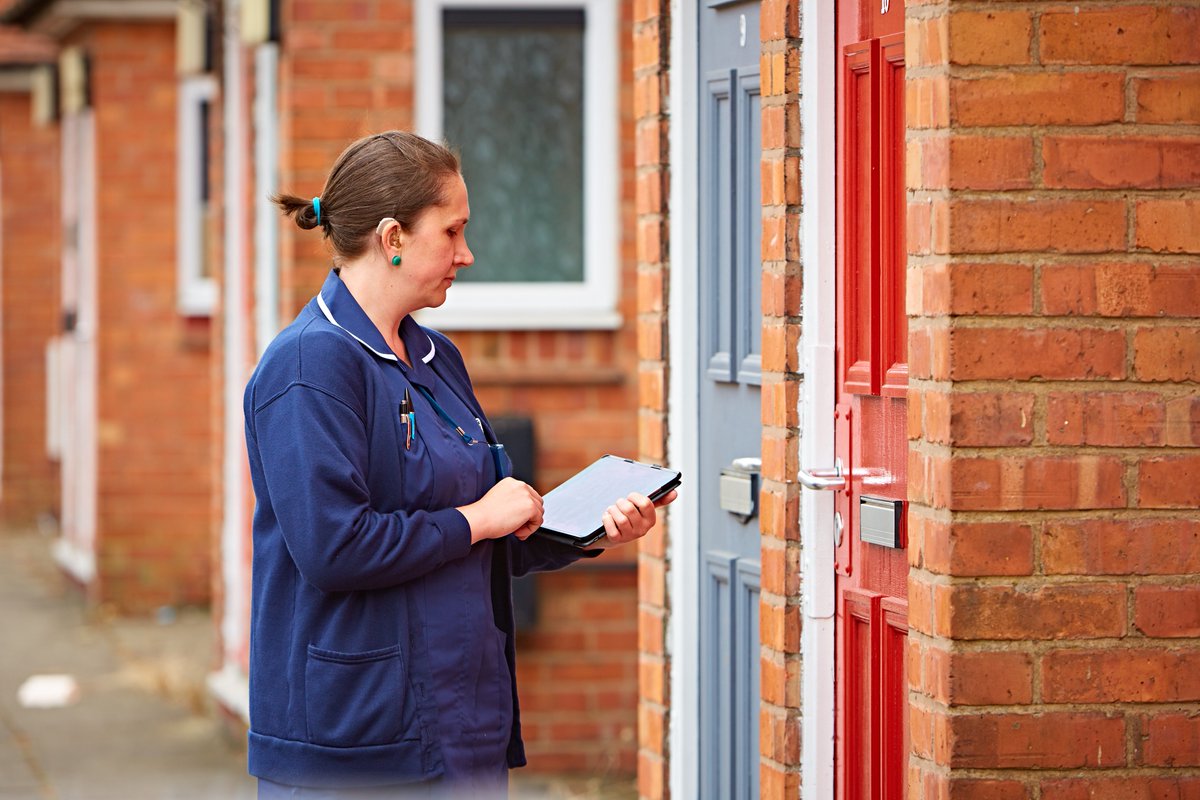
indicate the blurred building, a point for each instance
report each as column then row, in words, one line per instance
column 174, row 122
column 30, row 270
column 127, row 377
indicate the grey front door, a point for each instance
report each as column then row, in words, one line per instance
column 730, row 430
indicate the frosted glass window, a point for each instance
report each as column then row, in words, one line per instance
column 513, row 94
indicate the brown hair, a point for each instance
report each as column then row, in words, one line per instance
column 391, row 174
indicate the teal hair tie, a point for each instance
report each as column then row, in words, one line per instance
column 317, row 208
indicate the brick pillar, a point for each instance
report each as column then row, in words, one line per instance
column 154, row 487
column 779, row 613
column 651, row 70
column 1054, row 288
column 30, row 261
column 345, row 71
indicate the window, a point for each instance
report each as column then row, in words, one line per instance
column 527, row 95
column 195, row 40
column 197, row 289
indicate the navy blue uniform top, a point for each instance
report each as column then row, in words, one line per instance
column 381, row 645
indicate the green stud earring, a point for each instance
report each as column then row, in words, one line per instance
column 395, row 261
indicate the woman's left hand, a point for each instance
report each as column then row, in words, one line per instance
column 631, row 518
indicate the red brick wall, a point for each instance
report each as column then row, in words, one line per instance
column 1054, row 232
column 347, row 70
column 29, row 286
column 579, row 681
column 779, row 518
column 651, row 75
column 154, row 427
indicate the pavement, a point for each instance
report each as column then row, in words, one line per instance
column 140, row 724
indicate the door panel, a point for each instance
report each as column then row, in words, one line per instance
column 729, row 353
column 893, row 712
column 745, row 732
column 717, row 151
column 870, row 419
column 893, row 257
column 716, row 671
column 749, row 211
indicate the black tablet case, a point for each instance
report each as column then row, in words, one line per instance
column 574, row 510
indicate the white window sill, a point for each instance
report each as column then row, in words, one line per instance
column 197, row 298
column 517, row 319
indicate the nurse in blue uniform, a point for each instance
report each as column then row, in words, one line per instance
column 386, row 529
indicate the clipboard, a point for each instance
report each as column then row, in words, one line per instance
column 573, row 511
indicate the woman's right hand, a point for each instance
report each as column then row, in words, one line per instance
column 511, row 506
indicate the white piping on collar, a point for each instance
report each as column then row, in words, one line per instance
column 329, row 316
column 389, row 356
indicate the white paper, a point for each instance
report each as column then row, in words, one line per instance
column 48, row 691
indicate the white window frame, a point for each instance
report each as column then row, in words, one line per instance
column 591, row 303
column 196, row 294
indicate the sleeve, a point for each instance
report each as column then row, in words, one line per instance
column 539, row 554
column 313, row 450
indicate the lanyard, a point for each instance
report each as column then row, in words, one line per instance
column 441, row 412
column 497, row 449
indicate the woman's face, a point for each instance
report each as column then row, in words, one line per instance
column 436, row 248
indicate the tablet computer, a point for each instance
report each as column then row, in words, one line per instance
column 574, row 510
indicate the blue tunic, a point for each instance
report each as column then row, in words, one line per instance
column 381, row 648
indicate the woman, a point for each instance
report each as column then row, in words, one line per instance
column 386, row 532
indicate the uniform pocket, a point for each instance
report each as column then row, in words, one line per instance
column 356, row 699
column 487, row 707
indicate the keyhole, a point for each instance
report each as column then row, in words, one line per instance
column 742, row 30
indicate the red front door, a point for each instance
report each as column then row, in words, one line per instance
column 871, row 426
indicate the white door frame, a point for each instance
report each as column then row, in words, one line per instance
column 683, row 568
column 75, row 549
column 229, row 686
column 818, row 238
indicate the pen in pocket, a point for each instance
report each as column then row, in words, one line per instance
column 408, row 419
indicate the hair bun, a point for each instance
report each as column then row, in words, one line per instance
column 306, row 218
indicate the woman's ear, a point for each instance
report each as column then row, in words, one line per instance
column 384, row 224
column 389, row 232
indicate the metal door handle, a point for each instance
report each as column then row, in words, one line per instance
column 748, row 464
column 824, row 479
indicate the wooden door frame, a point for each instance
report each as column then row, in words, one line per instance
column 683, row 393
column 818, row 237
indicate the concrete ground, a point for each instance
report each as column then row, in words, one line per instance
column 141, row 725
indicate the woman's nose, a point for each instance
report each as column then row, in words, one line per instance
column 465, row 257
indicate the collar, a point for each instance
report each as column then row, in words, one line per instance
column 341, row 309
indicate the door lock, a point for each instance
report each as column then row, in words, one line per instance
column 824, row 479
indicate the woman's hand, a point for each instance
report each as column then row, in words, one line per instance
column 631, row 518
column 511, row 506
